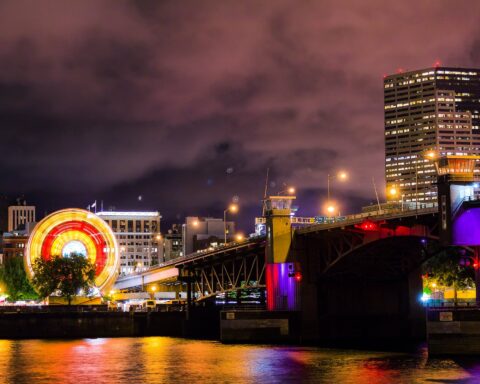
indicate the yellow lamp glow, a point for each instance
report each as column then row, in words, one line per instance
column 393, row 191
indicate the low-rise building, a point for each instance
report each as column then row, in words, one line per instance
column 19, row 215
column 173, row 243
column 203, row 232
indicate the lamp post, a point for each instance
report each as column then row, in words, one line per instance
column 233, row 208
column 342, row 176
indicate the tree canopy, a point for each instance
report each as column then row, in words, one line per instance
column 452, row 267
column 66, row 275
column 15, row 282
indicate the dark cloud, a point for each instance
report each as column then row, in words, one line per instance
column 188, row 103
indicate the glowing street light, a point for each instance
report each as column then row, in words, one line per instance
column 341, row 176
column 233, row 208
column 431, row 155
column 153, row 288
column 394, row 192
column 290, row 190
column 239, row 237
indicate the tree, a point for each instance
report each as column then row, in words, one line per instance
column 67, row 275
column 448, row 268
column 15, row 281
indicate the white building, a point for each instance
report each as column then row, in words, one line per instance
column 20, row 215
column 138, row 236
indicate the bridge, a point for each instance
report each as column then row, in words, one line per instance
column 238, row 265
column 241, row 265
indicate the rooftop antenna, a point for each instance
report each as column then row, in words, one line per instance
column 266, row 184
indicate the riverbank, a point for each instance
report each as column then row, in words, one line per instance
column 72, row 325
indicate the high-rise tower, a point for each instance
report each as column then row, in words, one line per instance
column 428, row 113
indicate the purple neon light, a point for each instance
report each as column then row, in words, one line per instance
column 466, row 228
column 282, row 289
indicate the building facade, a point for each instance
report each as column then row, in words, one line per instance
column 13, row 244
column 139, row 239
column 203, row 232
column 19, row 216
column 173, row 243
column 428, row 113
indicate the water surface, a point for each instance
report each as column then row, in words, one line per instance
column 171, row 360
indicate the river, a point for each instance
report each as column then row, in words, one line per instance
column 171, row 360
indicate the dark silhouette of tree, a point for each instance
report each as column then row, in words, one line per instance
column 65, row 275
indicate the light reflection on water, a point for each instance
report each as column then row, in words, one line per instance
column 170, row 360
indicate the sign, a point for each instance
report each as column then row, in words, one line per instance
column 230, row 315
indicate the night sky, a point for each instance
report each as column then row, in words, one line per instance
column 181, row 105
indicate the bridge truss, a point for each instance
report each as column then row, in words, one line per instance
column 237, row 269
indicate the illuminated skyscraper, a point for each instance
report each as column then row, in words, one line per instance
column 428, row 112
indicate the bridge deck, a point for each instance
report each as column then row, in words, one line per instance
column 169, row 270
column 358, row 218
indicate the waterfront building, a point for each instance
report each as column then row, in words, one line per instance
column 173, row 243
column 19, row 215
column 428, row 113
column 13, row 243
column 203, row 232
column 138, row 237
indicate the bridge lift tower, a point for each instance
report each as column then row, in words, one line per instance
column 459, row 206
column 282, row 276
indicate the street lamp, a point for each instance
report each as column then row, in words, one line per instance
column 341, row 176
column 239, row 237
column 233, row 208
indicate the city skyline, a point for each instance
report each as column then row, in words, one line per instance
column 154, row 111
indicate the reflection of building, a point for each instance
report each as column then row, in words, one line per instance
column 173, row 244
column 200, row 233
column 432, row 109
column 19, row 215
column 138, row 237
